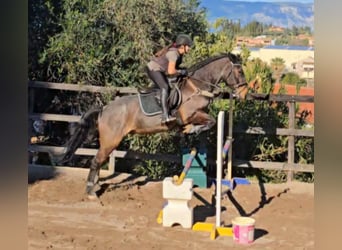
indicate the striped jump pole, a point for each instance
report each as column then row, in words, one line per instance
column 179, row 180
column 225, row 149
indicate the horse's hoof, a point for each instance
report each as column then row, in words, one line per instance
column 97, row 187
column 92, row 197
column 187, row 129
column 90, row 192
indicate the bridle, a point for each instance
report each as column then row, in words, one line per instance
column 236, row 86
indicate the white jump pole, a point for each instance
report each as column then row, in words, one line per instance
column 220, row 131
column 209, row 227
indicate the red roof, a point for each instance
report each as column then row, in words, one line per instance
column 303, row 106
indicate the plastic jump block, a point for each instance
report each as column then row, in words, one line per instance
column 178, row 180
column 233, row 183
column 214, row 231
column 177, row 210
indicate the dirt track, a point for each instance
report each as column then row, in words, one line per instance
column 124, row 217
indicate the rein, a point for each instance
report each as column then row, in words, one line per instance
column 214, row 85
column 218, row 79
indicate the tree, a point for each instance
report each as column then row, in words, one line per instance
column 106, row 42
column 245, row 53
column 258, row 70
column 227, row 27
column 278, row 66
column 208, row 45
column 293, row 79
column 254, row 28
column 42, row 23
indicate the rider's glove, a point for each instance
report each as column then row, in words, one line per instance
column 182, row 72
column 172, row 79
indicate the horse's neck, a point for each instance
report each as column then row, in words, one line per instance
column 204, row 79
column 198, row 82
column 209, row 75
column 211, row 72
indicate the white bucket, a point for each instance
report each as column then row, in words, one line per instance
column 243, row 230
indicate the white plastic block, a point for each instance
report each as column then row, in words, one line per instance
column 177, row 213
column 177, row 210
column 173, row 191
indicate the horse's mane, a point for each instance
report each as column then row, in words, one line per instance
column 232, row 57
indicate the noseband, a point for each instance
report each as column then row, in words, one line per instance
column 239, row 84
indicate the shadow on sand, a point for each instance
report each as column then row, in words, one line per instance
column 40, row 172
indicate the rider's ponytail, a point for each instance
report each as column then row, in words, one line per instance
column 164, row 50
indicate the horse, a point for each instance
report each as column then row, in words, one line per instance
column 124, row 116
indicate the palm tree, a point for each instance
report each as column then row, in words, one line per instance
column 293, row 79
column 278, row 66
column 259, row 72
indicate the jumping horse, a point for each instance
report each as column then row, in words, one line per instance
column 123, row 115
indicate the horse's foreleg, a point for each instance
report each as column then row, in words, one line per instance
column 200, row 122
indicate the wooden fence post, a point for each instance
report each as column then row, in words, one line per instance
column 31, row 110
column 291, row 139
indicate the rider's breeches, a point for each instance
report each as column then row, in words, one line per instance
column 159, row 78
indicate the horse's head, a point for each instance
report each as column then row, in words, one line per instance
column 226, row 68
column 234, row 76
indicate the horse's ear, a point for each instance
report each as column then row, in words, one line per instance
column 233, row 57
column 238, row 56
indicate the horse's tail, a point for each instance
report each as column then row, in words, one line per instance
column 87, row 121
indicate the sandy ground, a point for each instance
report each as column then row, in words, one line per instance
column 61, row 217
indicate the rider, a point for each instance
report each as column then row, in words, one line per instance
column 164, row 69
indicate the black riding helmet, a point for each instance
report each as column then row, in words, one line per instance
column 183, row 39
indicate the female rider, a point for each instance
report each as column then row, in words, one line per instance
column 164, row 69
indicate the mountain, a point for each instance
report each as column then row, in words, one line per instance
column 284, row 14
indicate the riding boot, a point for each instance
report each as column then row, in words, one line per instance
column 165, row 109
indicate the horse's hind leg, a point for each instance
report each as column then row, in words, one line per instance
column 93, row 176
column 108, row 142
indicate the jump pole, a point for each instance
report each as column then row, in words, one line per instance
column 179, row 180
column 217, row 230
column 220, row 132
column 230, row 137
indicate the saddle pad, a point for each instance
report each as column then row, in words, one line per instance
column 149, row 104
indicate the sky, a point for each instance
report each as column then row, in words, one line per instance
column 217, row 8
column 207, row 3
column 295, row 1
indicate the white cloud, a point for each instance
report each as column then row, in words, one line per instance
column 261, row 17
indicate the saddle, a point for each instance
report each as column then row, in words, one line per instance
column 149, row 99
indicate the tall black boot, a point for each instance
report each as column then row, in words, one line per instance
column 165, row 116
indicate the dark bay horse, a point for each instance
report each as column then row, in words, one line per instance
column 123, row 115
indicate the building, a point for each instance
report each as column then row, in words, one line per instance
column 304, row 68
column 298, row 59
column 309, row 38
column 276, row 29
column 259, row 41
